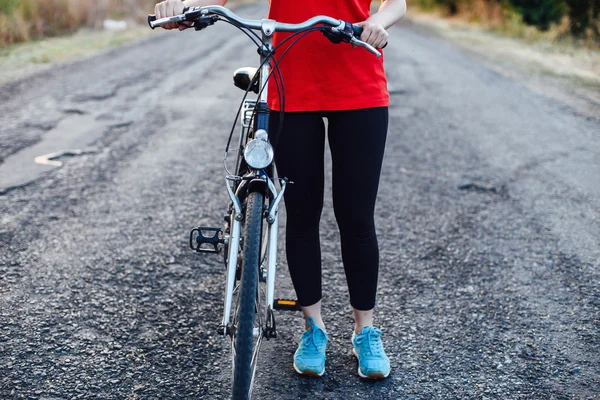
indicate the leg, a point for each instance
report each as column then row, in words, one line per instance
column 299, row 154
column 357, row 141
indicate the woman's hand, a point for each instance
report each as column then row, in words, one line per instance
column 374, row 28
column 373, row 34
column 169, row 8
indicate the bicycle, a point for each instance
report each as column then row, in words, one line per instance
column 248, row 240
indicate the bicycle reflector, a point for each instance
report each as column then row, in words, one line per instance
column 258, row 152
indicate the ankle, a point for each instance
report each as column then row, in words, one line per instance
column 313, row 311
column 362, row 319
column 318, row 321
column 358, row 328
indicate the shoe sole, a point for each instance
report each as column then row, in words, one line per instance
column 372, row 375
column 308, row 372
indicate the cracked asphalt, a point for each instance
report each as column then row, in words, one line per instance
column 488, row 221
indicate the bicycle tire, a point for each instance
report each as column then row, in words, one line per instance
column 244, row 340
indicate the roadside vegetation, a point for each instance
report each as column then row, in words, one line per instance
column 572, row 21
column 24, row 20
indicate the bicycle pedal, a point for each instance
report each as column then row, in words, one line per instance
column 202, row 241
column 286, row 305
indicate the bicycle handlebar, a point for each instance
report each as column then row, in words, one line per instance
column 267, row 26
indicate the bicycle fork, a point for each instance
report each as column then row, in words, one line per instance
column 271, row 216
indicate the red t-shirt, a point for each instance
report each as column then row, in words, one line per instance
column 319, row 75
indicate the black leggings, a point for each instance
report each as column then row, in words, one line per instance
column 357, row 141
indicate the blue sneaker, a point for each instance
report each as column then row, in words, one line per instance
column 309, row 359
column 373, row 363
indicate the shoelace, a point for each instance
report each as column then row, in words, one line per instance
column 372, row 337
column 311, row 340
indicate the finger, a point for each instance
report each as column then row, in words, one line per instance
column 386, row 38
column 175, row 7
column 171, row 8
column 376, row 37
column 178, row 7
column 381, row 40
column 366, row 34
column 360, row 25
column 168, row 9
column 161, row 12
column 184, row 25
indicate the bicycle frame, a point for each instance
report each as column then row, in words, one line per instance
column 272, row 214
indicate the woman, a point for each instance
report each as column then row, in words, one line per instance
column 348, row 87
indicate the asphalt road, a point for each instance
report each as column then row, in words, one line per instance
column 487, row 217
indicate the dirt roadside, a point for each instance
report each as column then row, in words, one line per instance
column 22, row 60
column 560, row 71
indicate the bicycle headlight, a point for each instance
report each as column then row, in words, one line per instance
column 258, row 152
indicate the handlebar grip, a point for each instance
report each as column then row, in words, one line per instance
column 151, row 18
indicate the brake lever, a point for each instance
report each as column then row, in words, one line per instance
column 354, row 41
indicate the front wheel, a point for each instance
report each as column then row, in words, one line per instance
column 244, row 329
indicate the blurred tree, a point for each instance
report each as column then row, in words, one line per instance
column 541, row 13
column 584, row 14
column 451, row 5
column 7, row 6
